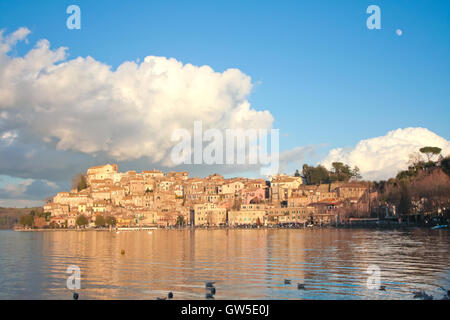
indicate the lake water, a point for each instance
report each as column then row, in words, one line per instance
column 245, row 264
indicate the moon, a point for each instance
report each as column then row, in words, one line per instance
column 399, row 32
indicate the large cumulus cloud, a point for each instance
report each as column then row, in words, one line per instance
column 83, row 105
column 382, row 157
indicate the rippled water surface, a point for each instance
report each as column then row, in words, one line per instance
column 246, row 264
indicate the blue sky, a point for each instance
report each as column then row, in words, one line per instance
column 325, row 77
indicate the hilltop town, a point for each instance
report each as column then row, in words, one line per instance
column 155, row 198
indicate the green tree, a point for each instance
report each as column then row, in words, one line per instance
column 315, row 175
column 110, row 221
column 405, row 174
column 46, row 215
column 405, row 200
column 430, row 152
column 341, row 172
column 100, row 221
column 82, row 220
column 356, row 173
column 445, row 165
column 79, row 182
column 27, row 220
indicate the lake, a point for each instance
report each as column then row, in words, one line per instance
column 244, row 263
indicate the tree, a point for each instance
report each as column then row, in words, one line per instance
column 100, row 221
column 82, row 220
column 430, row 152
column 356, row 174
column 415, row 159
column 315, row 175
column 79, row 182
column 445, row 165
column 110, row 221
column 27, row 220
column 341, row 172
column 46, row 215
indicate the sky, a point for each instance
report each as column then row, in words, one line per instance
column 133, row 73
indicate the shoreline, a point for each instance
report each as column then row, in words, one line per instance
column 136, row 229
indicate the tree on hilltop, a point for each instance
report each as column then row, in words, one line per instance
column 430, row 152
column 79, row 182
column 341, row 172
column 315, row 175
column 445, row 165
column 356, row 174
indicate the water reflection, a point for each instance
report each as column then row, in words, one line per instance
column 246, row 264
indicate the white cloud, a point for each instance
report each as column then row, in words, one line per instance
column 8, row 137
column 382, row 157
column 12, row 188
column 8, row 42
column 15, row 190
column 295, row 156
column 83, row 105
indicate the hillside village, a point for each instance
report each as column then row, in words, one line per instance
column 155, row 198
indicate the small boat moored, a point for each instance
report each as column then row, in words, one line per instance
column 441, row 226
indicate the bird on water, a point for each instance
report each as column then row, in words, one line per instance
column 209, row 285
column 423, row 295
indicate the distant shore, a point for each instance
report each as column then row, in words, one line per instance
column 125, row 229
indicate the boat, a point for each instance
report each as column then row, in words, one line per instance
column 441, row 226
